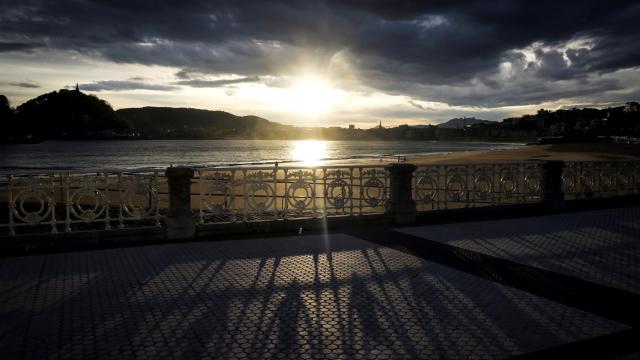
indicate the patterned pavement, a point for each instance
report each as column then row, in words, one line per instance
column 600, row 246
column 333, row 296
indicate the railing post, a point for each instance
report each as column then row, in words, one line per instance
column 179, row 221
column 552, row 196
column 401, row 206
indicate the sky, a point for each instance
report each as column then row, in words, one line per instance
column 327, row 63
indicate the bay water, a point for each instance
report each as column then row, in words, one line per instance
column 157, row 154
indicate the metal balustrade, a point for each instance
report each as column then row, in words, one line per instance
column 597, row 179
column 65, row 201
column 71, row 202
column 254, row 194
column 451, row 186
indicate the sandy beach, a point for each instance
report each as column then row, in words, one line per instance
column 566, row 152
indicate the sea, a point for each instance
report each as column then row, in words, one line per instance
column 159, row 154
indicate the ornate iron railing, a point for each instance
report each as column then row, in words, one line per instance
column 70, row 202
column 593, row 179
column 254, row 194
column 63, row 201
column 449, row 186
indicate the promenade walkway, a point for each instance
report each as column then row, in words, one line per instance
column 561, row 285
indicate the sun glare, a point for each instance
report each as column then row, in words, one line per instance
column 309, row 152
column 310, row 96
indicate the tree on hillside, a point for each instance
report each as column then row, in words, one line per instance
column 5, row 109
column 68, row 113
column 7, row 119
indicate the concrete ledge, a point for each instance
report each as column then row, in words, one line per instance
column 294, row 226
column 521, row 210
column 78, row 241
column 82, row 240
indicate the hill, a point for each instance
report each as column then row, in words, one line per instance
column 188, row 123
column 65, row 114
column 459, row 123
column 71, row 114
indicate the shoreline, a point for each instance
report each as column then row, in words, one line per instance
column 517, row 153
column 564, row 152
column 525, row 153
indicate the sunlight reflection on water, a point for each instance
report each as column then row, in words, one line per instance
column 309, row 152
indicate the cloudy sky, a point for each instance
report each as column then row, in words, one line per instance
column 332, row 62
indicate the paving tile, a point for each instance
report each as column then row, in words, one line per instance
column 600, row 246
column 317, row 296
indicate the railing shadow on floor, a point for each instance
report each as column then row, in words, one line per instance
column 227, row 299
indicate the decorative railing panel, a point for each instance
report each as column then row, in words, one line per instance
column 438, row 187
column 253, row 194
column 70, row 202
column 62, row 201
column 593, row 179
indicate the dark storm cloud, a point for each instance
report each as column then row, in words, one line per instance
column 199, row 83
column 19, row 47
column 183, row 74
column 27, row 85
column 411, row 48
column 418, row 106
column 116, row 85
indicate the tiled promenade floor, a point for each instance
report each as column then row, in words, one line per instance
column 337, row 296
column 601, row 246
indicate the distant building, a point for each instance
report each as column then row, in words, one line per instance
column 631, row 107
column 352, row 127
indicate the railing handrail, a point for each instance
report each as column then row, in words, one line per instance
column 289, row 167
column 20, row 172
column 361, row 166
column 160, row 171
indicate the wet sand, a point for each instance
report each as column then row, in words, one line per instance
column 566, row 152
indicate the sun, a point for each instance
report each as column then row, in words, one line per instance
column 307, row 95
column 311, row 96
